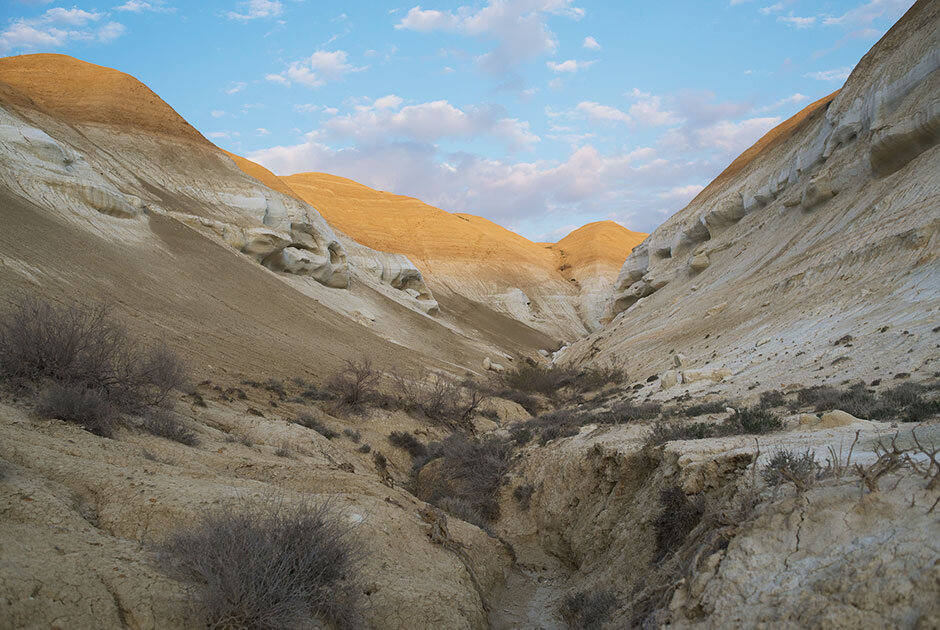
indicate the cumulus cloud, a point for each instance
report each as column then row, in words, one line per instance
column 602, row 113
column 254, row 9
column 140, row 6
column 865, row 14
column 518, row 27
column 590, row 43
column 570, row 66
column 797, row 21
column 648, row 110
column 315, row 70
column 793, row 99
column 428, row 123
column 58, row 27
column 836, row 74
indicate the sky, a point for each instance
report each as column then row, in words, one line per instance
column 541, row 115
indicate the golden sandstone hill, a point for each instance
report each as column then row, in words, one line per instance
column 108, row 194
column 547, row 286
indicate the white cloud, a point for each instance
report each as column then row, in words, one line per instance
column 139, row 6
column 518, row 27
column 261, row 131
column 680, row 196
column 235, row 87
column 865, row 14
column 773, row 8
column 58, row 27
column 217, row 113
column 427, row 122
column 734, row 137
column 796, row 21
column 387, row 102
column 647, row 110
column 793, row 99
column 590, row 43
column 837, row 74
column 315, row 70
column 570, row 65
column 254, row 9
column 602, row 113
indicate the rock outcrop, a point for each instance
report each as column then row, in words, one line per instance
column 826, row 226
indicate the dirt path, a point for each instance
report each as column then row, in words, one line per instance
column 528, row 600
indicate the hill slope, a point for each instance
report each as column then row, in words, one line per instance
column 814, row 257
column 462, row 255
column 107, row 194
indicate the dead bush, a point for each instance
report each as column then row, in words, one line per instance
column 81, row 353
column 408, row 442
column 307, row 420
column 537, row 379
column 751, row 420
column 355, row 384
column 799, row 468
column 589, row 610
column 162, row 423
column 772, row 398
column 269, row 566
column 439, row 399
column 678, row 518
column 706, row 407
column 631, row 412
column 471, row 470
column 523, row 495
column 77, row 403
column 663, row 432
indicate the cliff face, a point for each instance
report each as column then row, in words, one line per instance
column 814, row 256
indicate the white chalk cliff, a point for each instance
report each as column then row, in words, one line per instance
column 825, row 230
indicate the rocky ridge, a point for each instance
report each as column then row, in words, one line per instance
column 814, row 256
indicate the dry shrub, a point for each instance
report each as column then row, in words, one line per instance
column 439, row 399
column 471, row 470
column 408, row 442
column 270, row 565
column 537, row 379
column 162, row 423
column 355, row 384
column 588, row 609
column 78, row 404
column 679, row 516
column 752, row 420
column 307, row 420
column 78, row 356
column 786, row 465
column 663, row 432
column 706, row 407
column 523, row 495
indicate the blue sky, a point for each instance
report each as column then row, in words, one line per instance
column 541, row 115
